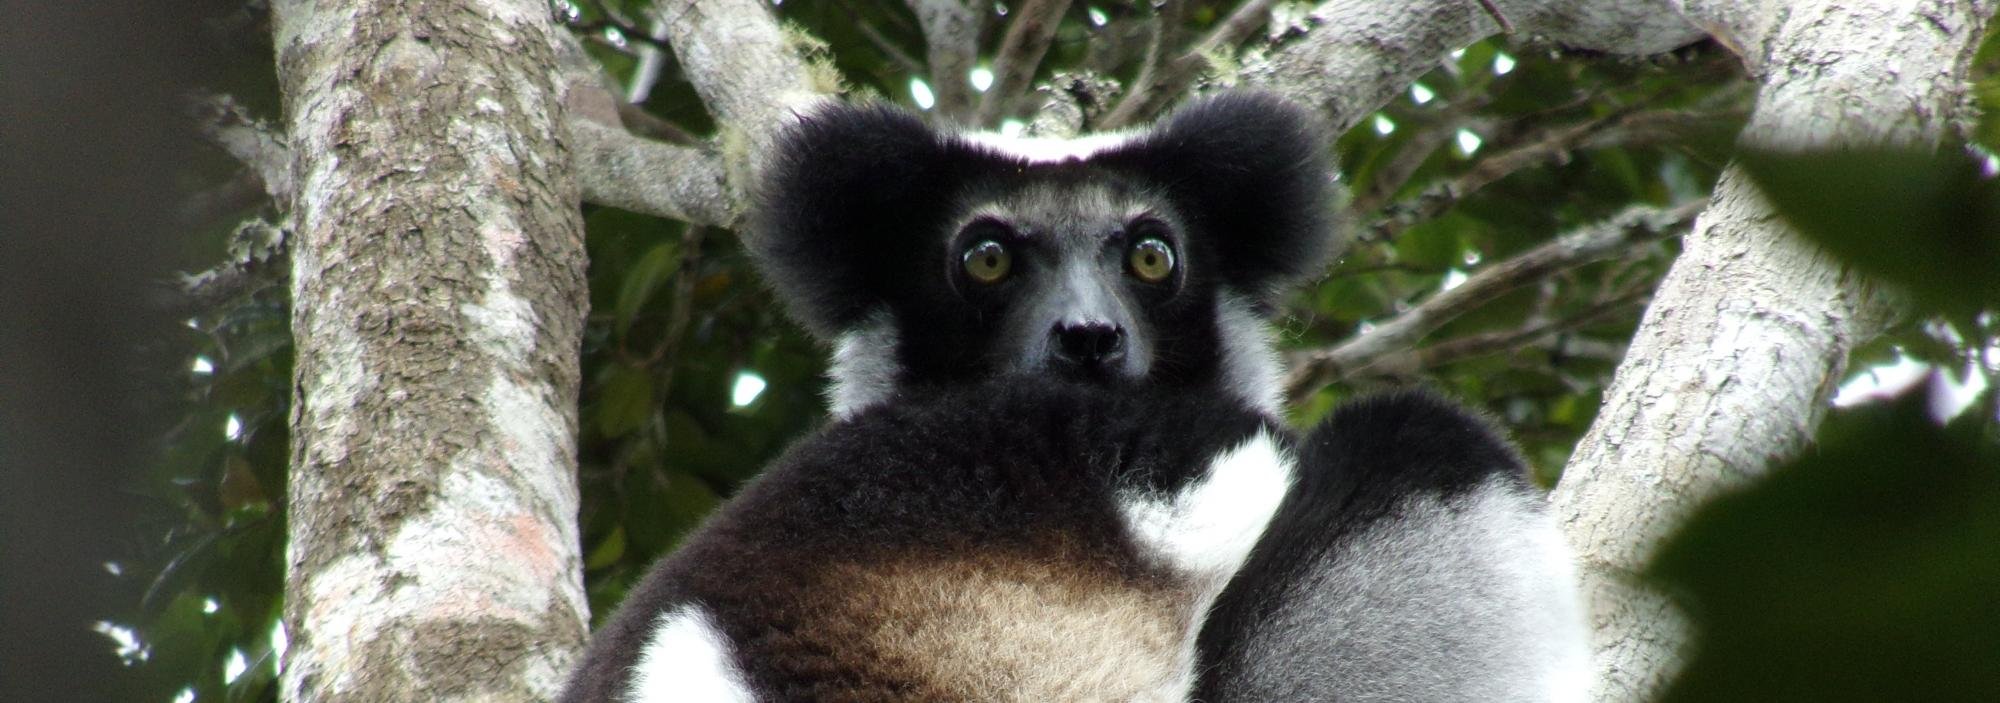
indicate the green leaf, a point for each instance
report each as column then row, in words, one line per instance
column 627, row 400
column 608, row 551
column 1865, row 571
column 1919, row 219
column 655, row 267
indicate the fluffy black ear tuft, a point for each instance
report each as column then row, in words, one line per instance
column 833, row 215
column 1252, row 172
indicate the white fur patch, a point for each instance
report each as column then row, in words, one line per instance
column 686, row 660
column 1207, row 529
column 1249, row 358
column 863, row 368
column 1569, row 677
column 1047, row 150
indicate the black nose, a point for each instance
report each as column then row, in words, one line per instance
column 1091, row 345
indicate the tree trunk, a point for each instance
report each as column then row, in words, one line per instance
column 1749, row 333
column 438, row 301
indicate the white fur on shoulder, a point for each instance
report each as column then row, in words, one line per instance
column 1207, row 529
column 686, row 660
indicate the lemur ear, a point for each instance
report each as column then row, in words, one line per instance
column 846, row 183
column 1252, row 172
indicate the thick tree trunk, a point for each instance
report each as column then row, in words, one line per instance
column 1746, row 339
column 438, row 299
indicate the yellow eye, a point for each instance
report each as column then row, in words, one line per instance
column 1151, row 260
column 987, row 262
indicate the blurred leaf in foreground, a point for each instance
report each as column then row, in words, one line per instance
column 1867, row 570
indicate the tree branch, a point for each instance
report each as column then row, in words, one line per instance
column 1021, row 51
column 614, row 167
column 1478, row 345
column 1313, row 369
column 742, row 66
column 258, row 252
column 1391, row 177
column 254, row 142
column 951, row 43
column 1750, row 330
column 683, row 183
column 1376, row 48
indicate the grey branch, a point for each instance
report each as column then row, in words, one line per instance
column 951, row 41
column 1358, row 55
column 1543, row 332
column 1313, row 369
column 888, row 47
column 621, row 170
column 741, row 65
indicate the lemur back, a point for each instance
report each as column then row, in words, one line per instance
column 1021, row 540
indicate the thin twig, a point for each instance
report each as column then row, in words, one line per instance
column 681, row 311
column 1636, row 225
column 1021, row 51
column 1488, row 343
column 896, row 54
column 1417, row 149
column 1627, row 128
column 1155, row 90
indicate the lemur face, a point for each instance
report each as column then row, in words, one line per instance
column 1076, row 279
column 932, row 257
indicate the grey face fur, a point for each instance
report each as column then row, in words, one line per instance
column 1070, row 277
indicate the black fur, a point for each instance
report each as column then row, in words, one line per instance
column 1014, row 466
column 1355, row 469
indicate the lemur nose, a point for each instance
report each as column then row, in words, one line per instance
column 1091, row 344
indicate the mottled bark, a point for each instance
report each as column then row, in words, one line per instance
column 745, row 71
column 1358, row 55
column 438, row 301
column 615, row 168
column 951, row 43
column 1749, row 333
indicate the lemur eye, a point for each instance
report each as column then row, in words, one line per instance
column 988, row 262
column 1151, row 260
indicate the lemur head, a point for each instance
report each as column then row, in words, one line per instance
column 933, row 257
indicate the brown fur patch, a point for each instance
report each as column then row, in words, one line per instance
column 1006, row 627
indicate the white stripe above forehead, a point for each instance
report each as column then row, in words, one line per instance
column 1046, row 150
